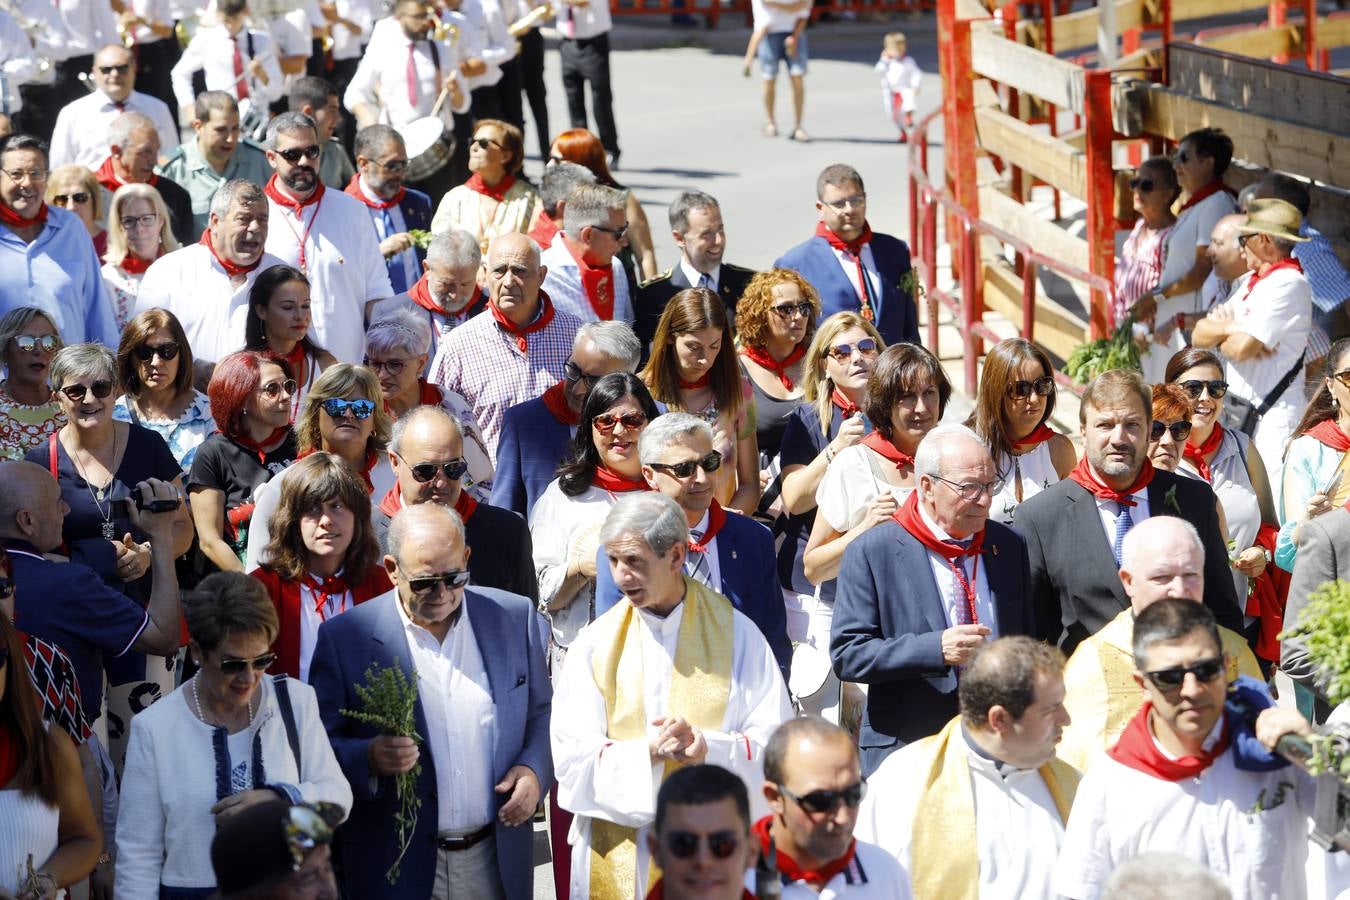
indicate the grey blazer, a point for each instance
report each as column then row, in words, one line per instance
column 1323, row 555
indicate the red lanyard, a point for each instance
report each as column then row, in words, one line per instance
column 967, row 585
column 302, row 238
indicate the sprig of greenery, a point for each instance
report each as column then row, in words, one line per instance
column 1090, row 359
column 1330, row 753
column 421, row 239
column 910, row 284
column 389, row 703
column 1324, row 628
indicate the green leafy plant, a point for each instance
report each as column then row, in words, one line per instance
column 1330, row 753
column 421, row 239
column 1090, row 359
column 389, row 703
column 1324, row 628
column 910, row 284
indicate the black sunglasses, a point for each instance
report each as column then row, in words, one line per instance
column 1205, row 671
column 606, row 423
column 684, row 844
column 257, row 663
column 6, row 588
column 77, row 197
column 146, row 352
column 423, row 472
column 1142, row 185
column 1180, row 430
column 1043, row 387
column 616, row 233
column 484, row 143
column 120, row 69
column 826, row 801
column 27, row 342
column 76, row 392
column 427, row 584
column 1195, row 388
column 786, row 310
column 295, row 154
column 844, row 352
column 362, row 409
column 710, row 463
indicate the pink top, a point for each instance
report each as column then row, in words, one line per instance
column 1139, row 267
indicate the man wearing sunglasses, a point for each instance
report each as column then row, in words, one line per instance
column 583, row 277
column 1192, row 773
column 81, row 133
column 393, row 210
column 482, row 710
column 672, row 676
column 701, row 836
column 730, row 554
column 978, row 810
column 214, row 156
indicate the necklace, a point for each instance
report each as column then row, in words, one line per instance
column 196, row 702
column 107, row 529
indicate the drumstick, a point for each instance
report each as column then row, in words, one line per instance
column 440, row 100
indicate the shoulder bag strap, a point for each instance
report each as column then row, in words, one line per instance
column 288, row 717
column 1279, row 389
column 51, row 454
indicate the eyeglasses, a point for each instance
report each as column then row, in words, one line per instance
column 76, row 392
column 146, row 352
column 393, row 165
column 307, row 827
column 235, row 666
column 295, row 154
column 973, row 490
column 827, row 801
column 616, row 233
column 423, row 472
column 1041, row 387
column 277, row 388
column 1242, row 239
column 606, row 423
column 710, row 463
column 428, row 583
column 1195, row 388
column 77, row 198
column 392, row 366
column 684, row 844
column 6, row 588
column 1142, row 185
column 788, row 310
column 1180, row 430
column 844, row 352
column 36, row 176
column 484, row 143
column 120, row 69
column 1205, row 671
column 49, row 343
column 572, row 372
column 1342, row 377
column 131, row 223
column 857, row 201
column 336, row 408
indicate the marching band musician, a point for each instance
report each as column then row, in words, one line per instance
column 81, row 133
column 18, row 64
column 234, row 58
column 402, row 73
column 347, row 24
column 68, row 33
column 146, row 27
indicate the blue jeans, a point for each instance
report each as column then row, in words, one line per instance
column 773, row 51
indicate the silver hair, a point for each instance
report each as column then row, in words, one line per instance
column 288, row 123
column 558, row 181
column 615, row 339
column 424, row 516
column 589, row 205
column 928, row 458
column 239, row 190
column 669, row 429
column 416, row 414
column 685, row 203
column 1164, row 876
column 127, row 124
column 653, row 518
column 83, row 361
column 402, row 329
column 371, row 140
column 455, row 248
column 1153, row 531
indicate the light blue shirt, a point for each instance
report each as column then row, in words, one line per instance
column 1322, row 267
column 59, row 274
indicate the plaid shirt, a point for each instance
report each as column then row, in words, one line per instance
column 481, row 362
column 1329, row 279
column 54, row 678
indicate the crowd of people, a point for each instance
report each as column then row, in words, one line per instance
column 330, row 493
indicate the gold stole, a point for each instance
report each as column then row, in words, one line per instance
column 699, row 687
column 944, row 855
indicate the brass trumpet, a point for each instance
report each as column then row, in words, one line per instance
column 529, row 20
column 444, row 31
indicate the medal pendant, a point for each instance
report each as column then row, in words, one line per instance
column 109, row 532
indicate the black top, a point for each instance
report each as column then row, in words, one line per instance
column 224, row 465
column 771, row 418
column 179, row 203
column 801, row 443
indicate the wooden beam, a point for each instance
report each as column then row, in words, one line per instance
column 1057, row 329
column 985, row 95
column 971, row 9
column 1079, row 29
column 1332, row 33
column 1204, row 9
column 1034, row 150
column 1262, row 43
column 1007, row 214
column 1029, row 70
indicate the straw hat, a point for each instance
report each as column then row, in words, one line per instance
column 1277, row 218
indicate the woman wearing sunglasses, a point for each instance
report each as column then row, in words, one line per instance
column 230, row 738
column 155, row 367
column 1153, row 190
column 495, row 200
column 322, row 558
column 693, row 369
column 74, row 187
column 250, row 397
column 1013, row 405
column 28, row 410
column 278, row 323
column 139, row 233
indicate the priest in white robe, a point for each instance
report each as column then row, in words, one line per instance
column 672, row 675
column 978, row 809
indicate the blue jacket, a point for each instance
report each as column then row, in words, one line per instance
column 507, row 632
column 416, row 209
column 531, row 445
column 746, row 559
column 888, row 624
column 896, row 317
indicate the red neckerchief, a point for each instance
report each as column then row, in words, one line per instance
column 285, row 597
column 908, row 518
column 544, row 230
column 555, row 401
column 1197, row 455
column 658, row 891
column 596, row 281
column 231, row 269
column 324, row 591
column 428, row 394
column 1328, row 433
column 9, row 747
column 108, row 178
column 717, row 517
column 889, row 451
column 14, row 220
column 371, row 459
column 296, row 358
column 134, row 265
column 1212, row 188
column 696, row 384
column 616, row 483
column 281, row 198
column 1039, row 435
column 353, row 189
column 761, row 357
column 496, row 192
column 541, row 321
column 853, row 249
column 420, row 293
column 393, row 502
column 845, row 406
column 789, row 867
column 275, row 438
column 1137, row 749
column 465, row 506
column 1083, row 474
column 1287, row 263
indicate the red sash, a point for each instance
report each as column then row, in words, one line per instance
column 231, row 269
column 908, row 518
column 1196, row 455
column 521, row 333
column 1136, row 749
column 272, row 440
column 1288, row 263
column 285, row 596
column 14, row 220
column 1329, row 434
column 853, row 249
column 281, row 198
column 544, row 230
column 763, row 358
column 788, row 866
column 555, row 401
column 875, row 441
column 596, row 281
column 393, row 502
column 1212, row 188
column 697, row 383
column 134, row 265
column 353, row 189
column 1083, row 474
column 717, row 517
column 845, row 406
column 496, row 192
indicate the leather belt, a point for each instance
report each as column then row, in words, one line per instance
column 464, row 842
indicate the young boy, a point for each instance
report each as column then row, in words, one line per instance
column 900, row 78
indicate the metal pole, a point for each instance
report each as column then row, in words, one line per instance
column 1107, row 33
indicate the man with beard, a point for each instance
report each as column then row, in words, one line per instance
column 206, row 284
column 81, row 134
column 403, row 70
column 216, row 155
column 325, row 234
column 133, row 154
column 1075, row 530
column 394, row 210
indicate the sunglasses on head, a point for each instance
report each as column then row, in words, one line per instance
column 76, row 392
column 787, row 310
column 428, row 583
column 710, row 463
column 120, row 69
column 77, row 197
column 1180, row 430
column 844, row 352
column 257, row 664
column 606, row 423
column 295, row 154
column 1042, row 387
column 277, row 388
column 1142, row 185
column 146, row 352
column 1195, row 388
column 826, row 801
column 1205, row 671
column 684, row 844
column 49, row 343
column 423, row 472
column 361, row 409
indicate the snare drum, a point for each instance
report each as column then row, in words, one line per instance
column 430, row 143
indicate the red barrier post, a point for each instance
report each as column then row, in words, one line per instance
column 1101, row 183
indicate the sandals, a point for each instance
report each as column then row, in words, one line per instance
column 800, row 135
column 769, row 130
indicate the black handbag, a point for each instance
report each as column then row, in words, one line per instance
column 1240, row 414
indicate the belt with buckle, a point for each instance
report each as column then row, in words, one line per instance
column 465, row 841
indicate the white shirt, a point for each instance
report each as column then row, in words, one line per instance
column 582, row 22
column 461, row 721
column 851, row 271
column 850, row 484
column 18, row 63
column 88, row 25
column 156, row 11
column 1038, row 472
column 1109, row 510
column 693, row 275
column 558, row 523
column 310, row 620
column 1278, row 313
column 343, row 262
column 775, row 19
column 211, row 51
column 190, row 284
column 381, row 79
column 873, row 873
column 81, row 132
column 899, row 76
column 710, row 554
column 564, row 288
column 347, row 44
column 486, row 37
column 950, row 590
column 616, row 780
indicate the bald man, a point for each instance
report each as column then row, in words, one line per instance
column 1229, row 266
column 1162, row 557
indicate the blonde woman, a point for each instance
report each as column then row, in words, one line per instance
column 138, row 234
column 75, row 189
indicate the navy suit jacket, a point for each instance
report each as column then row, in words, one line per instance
column 896, row 317
column 508, row 635
column 888, row 624
column 747, row 562
column 531, row 445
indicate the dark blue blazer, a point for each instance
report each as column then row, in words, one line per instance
column 888, row 624
column 531, row 445
column 896, row 317
column 746, row 558
column 416, row 209
column 508, row 635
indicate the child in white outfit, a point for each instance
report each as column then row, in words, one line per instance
column 900, row 79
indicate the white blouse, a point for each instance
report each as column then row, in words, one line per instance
column 28, row 827
column 1037, row 472
column 558, row 524
column 850, row 485
column 1232, row 484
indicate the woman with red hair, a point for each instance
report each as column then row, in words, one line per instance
column 250, row 395
column 579, row 146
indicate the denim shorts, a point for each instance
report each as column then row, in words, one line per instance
column 773, row 50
